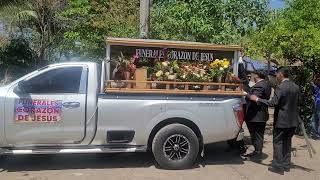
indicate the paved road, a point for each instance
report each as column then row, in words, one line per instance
column 219, row 163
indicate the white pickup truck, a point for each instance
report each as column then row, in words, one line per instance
column 62, row 108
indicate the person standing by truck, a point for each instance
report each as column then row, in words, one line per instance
column 286, row 119
column 257, row 114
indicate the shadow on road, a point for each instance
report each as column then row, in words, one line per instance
column 220, row 154
column 215, row 154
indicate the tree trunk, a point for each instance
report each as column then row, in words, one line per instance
column 41, row 58
column 144, row 18
column 7, row 77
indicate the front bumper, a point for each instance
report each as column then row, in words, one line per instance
column 240, row 135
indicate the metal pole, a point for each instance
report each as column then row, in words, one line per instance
column 144, row 18
column 107, row 64
column 268, row 61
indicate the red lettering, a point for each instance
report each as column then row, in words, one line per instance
column 44, row 110
column 44, row 118
column 56, row 111
column 19, row 109
column 38, row 118
column 38, row 110
column 25, row 110
column 26, row 118
column 49, row 118
column 54, row 118
column 49, row 110
column 20, row 117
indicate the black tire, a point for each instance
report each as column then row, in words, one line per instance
column 169, row 147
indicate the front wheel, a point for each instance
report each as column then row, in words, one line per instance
column 175, row 146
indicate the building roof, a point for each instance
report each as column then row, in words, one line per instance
column 170, row 44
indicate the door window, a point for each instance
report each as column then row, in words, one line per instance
column 60, row 80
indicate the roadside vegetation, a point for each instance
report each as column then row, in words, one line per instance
column 38, row 32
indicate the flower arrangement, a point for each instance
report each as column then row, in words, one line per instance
column 166, row 71
column 190, row 72
column 194, row 72
column 218, row 68
column 125, row 68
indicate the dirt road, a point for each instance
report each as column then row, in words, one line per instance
column 218, row 163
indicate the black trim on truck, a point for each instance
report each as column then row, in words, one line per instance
column 120, row 136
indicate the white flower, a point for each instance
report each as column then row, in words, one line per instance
column 221, row 69
column 171, row 77
column 225, row 66
column 167, row 73
column 165, row 64
column 202, row 72
column 184, row 76
column 159, row 73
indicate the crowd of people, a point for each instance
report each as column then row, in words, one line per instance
column 285, row 101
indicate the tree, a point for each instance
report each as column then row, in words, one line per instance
column 16, row 59
column 215, row 21
column 292, row 36
column 88, row 23
column 37, row 21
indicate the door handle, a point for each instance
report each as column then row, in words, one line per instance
column 71, row 105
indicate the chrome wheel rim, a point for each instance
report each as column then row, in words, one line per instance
column 176, row 147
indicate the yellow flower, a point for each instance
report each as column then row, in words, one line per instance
column 215, row 63
column 159, row 73
column 226, row 64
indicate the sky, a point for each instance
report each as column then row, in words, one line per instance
column 276, row 4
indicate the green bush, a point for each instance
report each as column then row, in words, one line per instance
column 17, row 57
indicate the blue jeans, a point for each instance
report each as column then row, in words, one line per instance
column 315, row 121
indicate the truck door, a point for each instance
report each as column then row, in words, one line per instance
column 47, row 108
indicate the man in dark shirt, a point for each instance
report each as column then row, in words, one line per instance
column 257, row 114
column 285, row 101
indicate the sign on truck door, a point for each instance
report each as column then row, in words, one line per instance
column 47, row 108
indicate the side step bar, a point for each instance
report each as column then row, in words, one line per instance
column 96, row 149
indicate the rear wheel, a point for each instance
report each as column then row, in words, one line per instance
column 175, row 146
